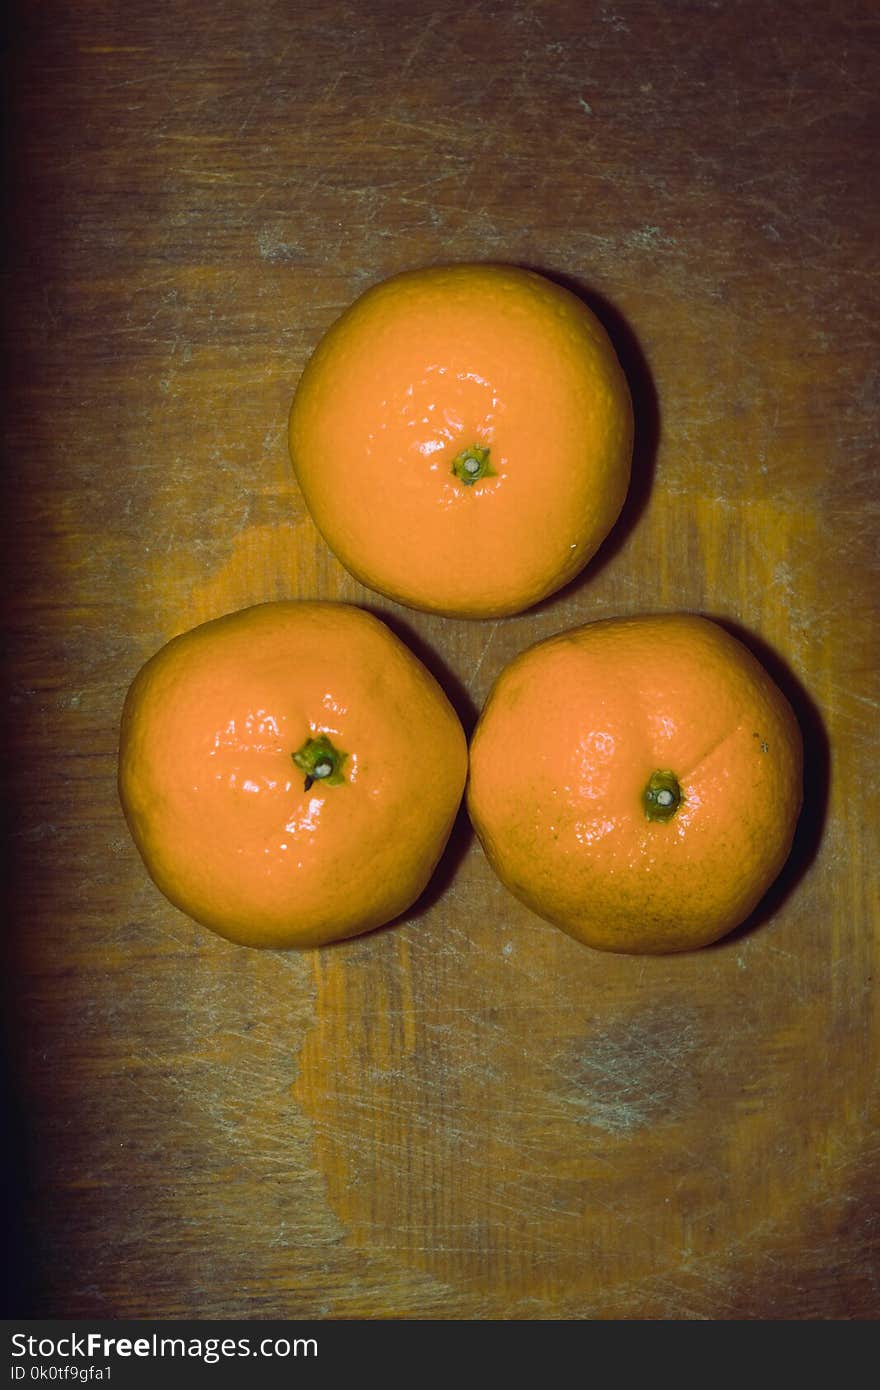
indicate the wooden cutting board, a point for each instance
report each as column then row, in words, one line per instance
column 466, row 1115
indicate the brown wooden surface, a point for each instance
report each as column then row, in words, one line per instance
column 467, row 1115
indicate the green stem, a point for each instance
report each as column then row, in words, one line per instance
column 472, row 464
column 662, row 796
column 320, row 761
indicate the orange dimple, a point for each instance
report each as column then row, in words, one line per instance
column 438, row 361
column 565, row 750
column 221, row 812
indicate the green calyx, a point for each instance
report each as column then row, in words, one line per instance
column 472, row 464
column 320, row 761
column 662, row 796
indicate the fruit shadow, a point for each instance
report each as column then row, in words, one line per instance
column 646, row 414
column 817, row 782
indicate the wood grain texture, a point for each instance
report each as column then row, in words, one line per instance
column 466, row 1115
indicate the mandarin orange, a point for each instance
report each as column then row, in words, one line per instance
column 290, row 773
column 462, row 436
column 637, row 782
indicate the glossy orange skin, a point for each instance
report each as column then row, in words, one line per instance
column 565, row 746
column 218, row 809
column 432, row 362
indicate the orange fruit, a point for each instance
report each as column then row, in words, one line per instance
column 637, row 782
column 462, row 436
column 290, row 773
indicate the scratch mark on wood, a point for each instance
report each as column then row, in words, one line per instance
column 482, row 657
